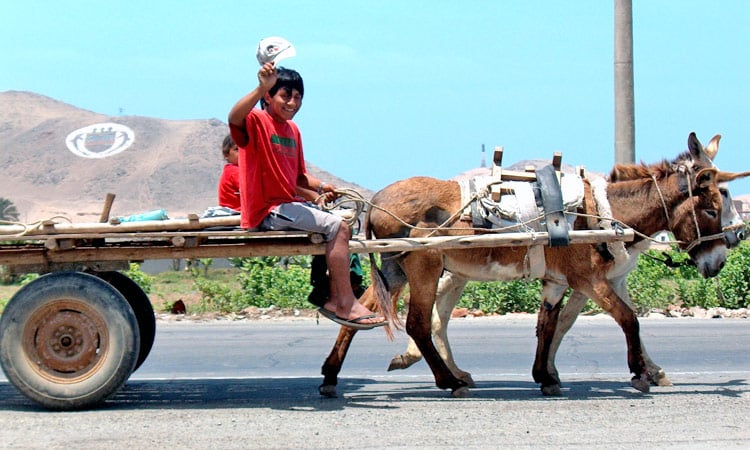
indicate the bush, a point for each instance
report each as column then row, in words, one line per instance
column 501, row 297
column 216, row 296
column 734, row 278
column 141, row 278
column 646, row 284
column 264, row 281
column 265, row 284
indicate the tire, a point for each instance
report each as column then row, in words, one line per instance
column 141, row 304
column 68, row 340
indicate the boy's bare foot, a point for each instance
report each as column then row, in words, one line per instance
column 358, row 317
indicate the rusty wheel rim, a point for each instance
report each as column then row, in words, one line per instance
column 65, row 340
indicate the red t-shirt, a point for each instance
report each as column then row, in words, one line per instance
column 270, row 162
column 229, row 187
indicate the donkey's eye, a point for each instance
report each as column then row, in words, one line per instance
column 711, row 213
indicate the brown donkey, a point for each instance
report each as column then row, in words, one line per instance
column 685, row 200
column 451, row 286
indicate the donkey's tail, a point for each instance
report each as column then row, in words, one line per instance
column 380, row 290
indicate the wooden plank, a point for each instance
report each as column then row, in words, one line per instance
column 49, row 227
column 512, row 175
column 577, row 237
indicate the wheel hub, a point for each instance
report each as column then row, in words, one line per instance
column 65, row 339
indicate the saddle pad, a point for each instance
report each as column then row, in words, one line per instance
column 518, row 211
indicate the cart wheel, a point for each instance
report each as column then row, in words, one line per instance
column 68, row 340
column 141, row 304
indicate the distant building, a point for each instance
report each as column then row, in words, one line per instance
column 743, row 207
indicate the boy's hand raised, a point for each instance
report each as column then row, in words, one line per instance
column 267, row 76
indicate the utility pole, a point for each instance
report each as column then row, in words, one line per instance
column 624, row 103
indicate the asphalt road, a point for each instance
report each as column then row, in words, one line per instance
column 254, row 385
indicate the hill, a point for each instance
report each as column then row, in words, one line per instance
column 171, row 164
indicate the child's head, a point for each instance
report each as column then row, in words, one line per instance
column 229, row 150
column 288, row 80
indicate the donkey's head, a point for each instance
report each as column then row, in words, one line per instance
column 696, row 221
column 731, row 221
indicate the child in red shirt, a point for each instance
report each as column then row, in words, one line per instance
column 229, row 182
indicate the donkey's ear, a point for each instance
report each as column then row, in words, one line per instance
column 706, row 177
column 730, row 176
column 713, row 147
column 694, row 145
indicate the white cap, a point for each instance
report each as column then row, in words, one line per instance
column 274, row 49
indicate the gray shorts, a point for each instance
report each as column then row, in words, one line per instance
column 303, row 217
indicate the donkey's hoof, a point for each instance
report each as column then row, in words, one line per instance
column 553, row 390
column 328, row 390
column 462, row 392
column 397, row 363
column 641, row 384
column 468, row 380
column 661, row 379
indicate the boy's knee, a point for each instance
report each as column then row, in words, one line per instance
column 344, row 230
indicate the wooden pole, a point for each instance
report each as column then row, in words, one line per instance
column 104, row 218
column 624, row 85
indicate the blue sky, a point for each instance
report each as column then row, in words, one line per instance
column 402, row 88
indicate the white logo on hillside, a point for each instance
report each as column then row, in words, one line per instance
column 100, row 140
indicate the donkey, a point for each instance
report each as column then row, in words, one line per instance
column 450, row 286
column 410, row 207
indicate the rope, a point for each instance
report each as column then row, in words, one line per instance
column 661, row 197
column 346, row 196
column 28, row 227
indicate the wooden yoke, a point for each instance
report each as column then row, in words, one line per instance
column 528, row 174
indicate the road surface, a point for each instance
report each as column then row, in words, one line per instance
column 254, row 385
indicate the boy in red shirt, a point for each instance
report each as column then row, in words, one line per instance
column 229, row 182
column 272, row 168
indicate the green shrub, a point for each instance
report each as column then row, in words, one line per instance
column 734, row 278
column 500, row 297
column 141, row 278
column 216, row 296
column 264, row 284
column 646, row 284
column 264, row 281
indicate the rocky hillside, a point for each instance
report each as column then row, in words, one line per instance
column 172, row 165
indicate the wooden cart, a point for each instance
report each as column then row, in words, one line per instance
column 72, row 337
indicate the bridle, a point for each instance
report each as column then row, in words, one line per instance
column 686, row 172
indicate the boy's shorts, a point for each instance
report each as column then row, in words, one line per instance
column 303, row 217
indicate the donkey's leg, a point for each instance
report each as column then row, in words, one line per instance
column 332, row 365
column 423, row 270
column 450, row 288
column 605, row 296
column 565, row 320
column 549, row 311
column 656, row 374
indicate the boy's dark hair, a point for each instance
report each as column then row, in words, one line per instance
column 288, row 79
column 227, row 145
